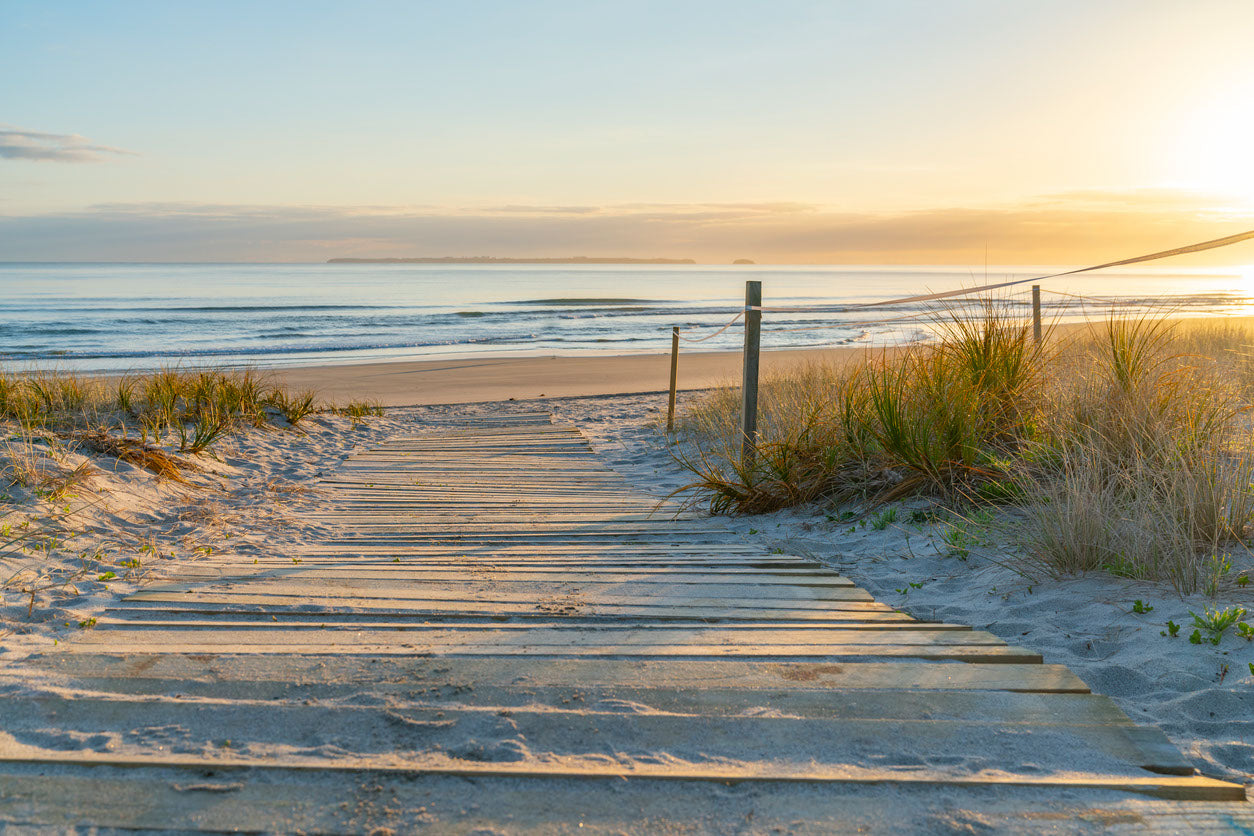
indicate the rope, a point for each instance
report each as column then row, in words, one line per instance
column 715, row 334
column 971, row 291
column 862, row 324
column 1103, row 300
column 1191, row 248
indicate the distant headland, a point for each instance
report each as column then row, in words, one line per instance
column 489, row 259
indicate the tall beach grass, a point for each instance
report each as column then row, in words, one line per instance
column 1122, row 448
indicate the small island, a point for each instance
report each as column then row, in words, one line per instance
column 490, row 259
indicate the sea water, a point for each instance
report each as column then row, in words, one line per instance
column 133, row 316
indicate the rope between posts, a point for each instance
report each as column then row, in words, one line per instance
column 1097, row 300
column 715, row 334
column 949, row 294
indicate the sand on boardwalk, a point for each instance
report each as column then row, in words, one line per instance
column 246, row 503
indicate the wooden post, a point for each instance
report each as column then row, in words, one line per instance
column 1036, row 312
column 670, row 410
column 749, row 383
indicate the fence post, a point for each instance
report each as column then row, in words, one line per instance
column 749, row 383
column 670, row 410
column 1036, row 312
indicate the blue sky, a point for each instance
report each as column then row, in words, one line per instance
column 166, row 130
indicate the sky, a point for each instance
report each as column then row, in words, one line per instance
column 789, row 131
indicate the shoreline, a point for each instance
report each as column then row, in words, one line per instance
column 483, row 379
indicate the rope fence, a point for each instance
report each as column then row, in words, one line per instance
column 753, row 310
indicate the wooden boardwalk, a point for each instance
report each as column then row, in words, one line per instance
column 499, row 632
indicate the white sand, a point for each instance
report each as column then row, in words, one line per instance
column 244, row 504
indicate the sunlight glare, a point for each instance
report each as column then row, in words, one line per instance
column 1215, row 149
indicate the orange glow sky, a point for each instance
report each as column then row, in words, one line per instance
column 902, row 131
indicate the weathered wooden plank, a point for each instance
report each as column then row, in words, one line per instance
column 919, row 727
column 499, row 682
column 571, row 571
column 1160, row 786
column 856, row 611
column 332, row 802
column 413, row 646
column 454, row 518
column 573, row 593
column 574, row 636
column 592, row 550
column 125, row 619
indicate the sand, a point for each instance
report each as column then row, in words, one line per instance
column 481, row 379
column 247, row 502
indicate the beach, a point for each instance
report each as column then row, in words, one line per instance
column 248, row 497
column 488, row 378
column 475, row 380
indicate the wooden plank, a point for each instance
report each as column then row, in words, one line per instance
column 590, row 550
column 573, row 637
column 918, row 726
column 403, row 647
column 453, row 571
column 498, row 681
column 124, row 619
column 1159, row 786
column 312, row 588
column 285, row 802
column 456, row 518
column 498, row 610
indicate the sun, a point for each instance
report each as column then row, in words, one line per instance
column 1216, row 149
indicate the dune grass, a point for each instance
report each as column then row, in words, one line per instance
column 1123, row 448
column 156, row 420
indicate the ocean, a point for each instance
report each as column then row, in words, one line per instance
column 112, row 317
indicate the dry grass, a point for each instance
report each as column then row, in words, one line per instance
column 1125, row 446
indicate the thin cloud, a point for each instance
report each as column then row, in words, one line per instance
column 18, row 144
column 1040, row 231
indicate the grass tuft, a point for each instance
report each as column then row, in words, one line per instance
column 132, row 417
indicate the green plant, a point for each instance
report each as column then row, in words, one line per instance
column 884, row 519
column 1139, row 607
column 1245, row 631
column 360, row 410
column 1173, row 629
column 1216, row 622
column 209, row 427
column 294, row 407
column 962, row 534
